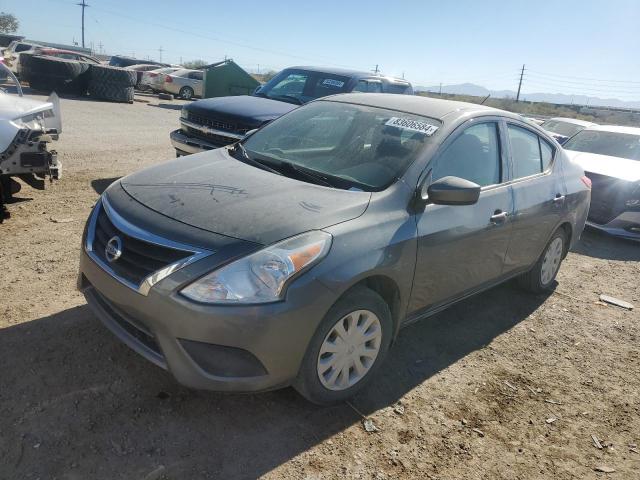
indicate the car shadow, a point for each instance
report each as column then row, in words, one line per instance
column 99, row 185
column 166, row 106
column 597, row 244
column 77, row 392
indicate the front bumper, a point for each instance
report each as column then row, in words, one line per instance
column 625, row 225
column 252, row 347
column 186, row 145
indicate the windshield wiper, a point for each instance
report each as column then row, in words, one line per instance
column 315, row 177
column 239, row 148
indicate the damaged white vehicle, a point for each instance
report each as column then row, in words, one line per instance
column 26, row 127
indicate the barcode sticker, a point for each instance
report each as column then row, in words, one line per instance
column 413, row 125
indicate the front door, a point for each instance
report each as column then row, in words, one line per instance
column 462, row 248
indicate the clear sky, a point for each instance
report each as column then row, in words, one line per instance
column 569, row 46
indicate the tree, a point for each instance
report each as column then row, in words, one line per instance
column 8, row 23
column 195, row 64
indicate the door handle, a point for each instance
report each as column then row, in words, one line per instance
column 559, row 200
column 498, row 217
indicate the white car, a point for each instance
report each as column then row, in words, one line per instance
column 185, row 83
column 27, row 125
column 610, row 156
column 12, row 53
column 562, row 129
column 153, row 79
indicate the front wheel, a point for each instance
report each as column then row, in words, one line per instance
column 347, row 348
column 186, row 93
column 544, row 272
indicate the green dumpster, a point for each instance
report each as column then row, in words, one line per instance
column 227, row 78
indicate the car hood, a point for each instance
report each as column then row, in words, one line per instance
column 244, row 109
column 616, row 167
column 217, row 193
column 14, row 106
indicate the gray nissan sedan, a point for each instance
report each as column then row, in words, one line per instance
column 295, row 256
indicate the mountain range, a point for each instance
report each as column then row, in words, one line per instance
column 561, row 98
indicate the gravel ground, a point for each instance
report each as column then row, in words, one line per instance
column 502, row 386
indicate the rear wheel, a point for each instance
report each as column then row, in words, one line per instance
column 544, row 272
column 186, row 93
column 347, row 348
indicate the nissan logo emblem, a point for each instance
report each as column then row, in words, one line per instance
column 113, row 250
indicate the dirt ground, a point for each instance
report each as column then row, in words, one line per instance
column 502, row 386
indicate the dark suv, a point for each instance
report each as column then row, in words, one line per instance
column 216, row 122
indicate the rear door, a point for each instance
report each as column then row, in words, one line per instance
column 539, row 194
column 196, row 83
column 462, row 248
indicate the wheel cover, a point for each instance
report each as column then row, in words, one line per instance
column 349, row 350
column 551, row 260
column 186, row 92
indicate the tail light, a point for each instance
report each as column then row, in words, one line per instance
column 168, row 79
column 587, row 181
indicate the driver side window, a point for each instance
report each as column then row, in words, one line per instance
column 474, row 155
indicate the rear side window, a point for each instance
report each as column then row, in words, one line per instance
column 23, row 47
column 368, row 87
column 546, row 152
column 474, row 156
column 529, row 153
column 196, row 75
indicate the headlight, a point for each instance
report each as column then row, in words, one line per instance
column 262, row 276
column 184, row 113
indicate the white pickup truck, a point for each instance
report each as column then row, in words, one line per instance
column 26, row 127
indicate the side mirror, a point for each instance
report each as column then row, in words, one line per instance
column 452, row 191
column 250, row 132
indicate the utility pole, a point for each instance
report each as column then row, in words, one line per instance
column 84, row 5
column 440, row 91
column 160, row 50
column 376, row 70
column 520, row 83
column 100, row 47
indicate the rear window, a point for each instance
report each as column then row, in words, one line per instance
column 623, row 145
column 565, row 129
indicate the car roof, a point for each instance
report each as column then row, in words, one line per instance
column 346, row 72
column 574, row 121
column 616, row 129
column 426, row 106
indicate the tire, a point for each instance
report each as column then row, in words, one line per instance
column 112, row 83
column 538, row 279
column 186, row 93
column 50, row 74
column 106, row 74
column 111, row 92
column 309, row 383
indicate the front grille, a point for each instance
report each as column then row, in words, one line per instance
column 201, row 120
column 139, row 259
column 217, row 140
column 608, row 195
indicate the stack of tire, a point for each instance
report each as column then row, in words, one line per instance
column 112, row 83
column 49, row 74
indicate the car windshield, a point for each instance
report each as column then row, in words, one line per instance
column 343, row 145
column 302, row 86
column 562, row 128
column 615, row 144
